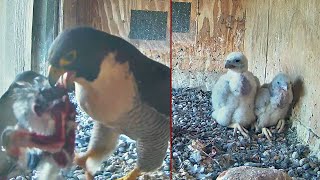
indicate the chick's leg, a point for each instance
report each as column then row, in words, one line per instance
column 267, row 133
column 280, row 125
column 102, row 143
column 237, row 126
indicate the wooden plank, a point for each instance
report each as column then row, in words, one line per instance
column 220, row 29
column 4, row 81
column 113, row 16
column 16, row 32
column 256, row 36
column 44, row 30
column 188, row 38
column 293, row 48
column 283, row 36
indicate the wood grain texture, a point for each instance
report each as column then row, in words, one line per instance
column 289, row 44
column 16, row 36
column 256, row 36
column 217, row 27
column 113, row 16
column 44, row 30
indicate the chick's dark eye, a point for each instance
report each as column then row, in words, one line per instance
column 38, row 109
column 237, row 60
column 278, row 82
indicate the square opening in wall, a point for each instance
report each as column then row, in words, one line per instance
column 148, row 25
column 181, row 17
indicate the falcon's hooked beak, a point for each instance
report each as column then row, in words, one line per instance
column 61, row 77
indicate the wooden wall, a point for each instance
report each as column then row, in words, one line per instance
column 15, row 39
column 285, row 36
column 275, row 35
column 216, row 28
column 113, row 16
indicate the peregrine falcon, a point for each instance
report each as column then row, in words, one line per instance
column 121, row 89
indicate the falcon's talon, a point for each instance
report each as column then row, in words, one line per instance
column 280, row 125
column 133, row 175
column 80, row 160
column 267, row 133
column 89, row 176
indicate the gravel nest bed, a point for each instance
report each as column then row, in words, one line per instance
column 121, row 162
column 202, row 149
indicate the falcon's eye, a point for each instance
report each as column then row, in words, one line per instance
column 71, row 56
column 68, row 58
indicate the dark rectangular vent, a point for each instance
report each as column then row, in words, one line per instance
column 181, row 12
column 148, row 25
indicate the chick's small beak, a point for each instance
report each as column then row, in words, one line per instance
column 285, row 87
column 229, row 65
column 61, row 77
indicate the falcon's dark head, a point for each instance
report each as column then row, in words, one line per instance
column 236, row 61
column 78, row 52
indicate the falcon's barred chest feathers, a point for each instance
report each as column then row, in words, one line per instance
column 121, row 89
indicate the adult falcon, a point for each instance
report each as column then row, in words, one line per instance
column 124, row 91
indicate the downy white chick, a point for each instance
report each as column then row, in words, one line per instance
column 43, row 125
column 272, row 104
column 234, row 94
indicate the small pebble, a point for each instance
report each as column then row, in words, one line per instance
column 303, row 161
column 122, row 149
column 295, row 155
column 114, row 176
column 291, row 173
column 166, row 168
column 195, row 157
column 130, row 161
column 110, row 168
column 81, row 177
column 306, row 166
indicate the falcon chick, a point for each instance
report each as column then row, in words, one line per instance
column 234, row 93
column 124, row 91
column 272, row 104
column 7, row 118
column 43, row 125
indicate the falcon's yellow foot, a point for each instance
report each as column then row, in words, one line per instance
column 89, row 176
column 80, row 160
column 267, row 133
column 280, row 125
column 237, row 126
column 133, row 175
